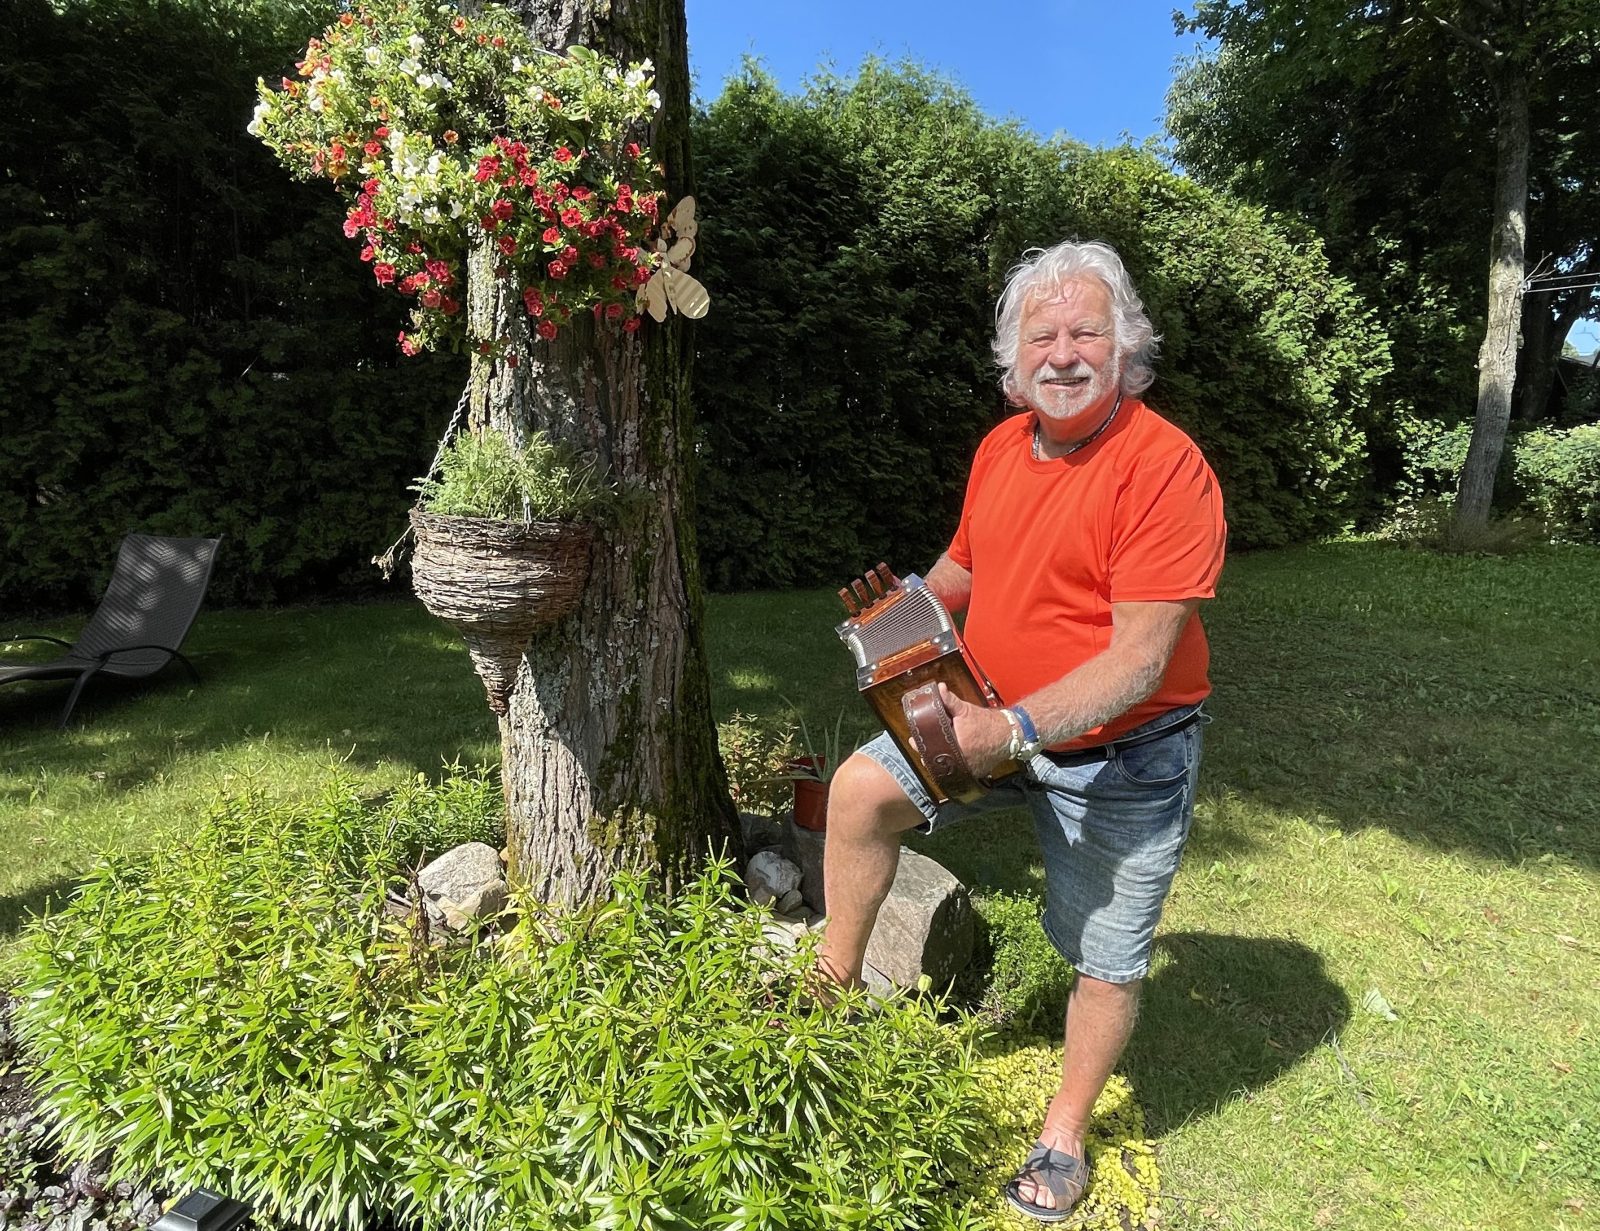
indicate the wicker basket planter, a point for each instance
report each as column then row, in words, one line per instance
column 498, row 582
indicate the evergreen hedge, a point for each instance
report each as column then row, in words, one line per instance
column 192, row 347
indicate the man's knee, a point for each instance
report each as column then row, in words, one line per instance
column 865, row 800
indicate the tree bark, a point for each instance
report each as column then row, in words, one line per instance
column 1497, row 359
column 609, row 756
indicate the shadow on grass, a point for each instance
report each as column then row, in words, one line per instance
column 17, row 910
column 1222, row 1016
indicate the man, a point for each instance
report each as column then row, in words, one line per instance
column 1091, row 530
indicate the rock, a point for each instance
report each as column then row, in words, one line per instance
column 803, row 847
column 771, row 871
column 790, row 902
column 761, row 895
column 489, row 901
column 760, row 833
column 459, row 873
column 926, row 926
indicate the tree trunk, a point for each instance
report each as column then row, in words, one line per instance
column 609, row 755
column 1497, row 359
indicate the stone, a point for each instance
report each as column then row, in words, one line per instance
column 803, row 847
column 461, row 872
column 760, row 833
column 771, row 871
column 487, row 902
column 926, row 926
column 790, row 902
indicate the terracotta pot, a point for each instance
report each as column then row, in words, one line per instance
column 810, row 795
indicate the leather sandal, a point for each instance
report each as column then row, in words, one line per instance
column 1064, row 1176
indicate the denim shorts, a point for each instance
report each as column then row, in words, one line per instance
column 1111, row 830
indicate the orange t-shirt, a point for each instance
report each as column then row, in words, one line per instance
column 1134, row 517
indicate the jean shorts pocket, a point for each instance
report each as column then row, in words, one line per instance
column 1157, row 762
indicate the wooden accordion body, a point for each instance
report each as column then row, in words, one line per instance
column 905, row 645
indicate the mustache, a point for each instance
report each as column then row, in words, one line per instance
column 1071, row 373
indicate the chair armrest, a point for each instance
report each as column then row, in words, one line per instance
column 108, row 655
column 35, row 637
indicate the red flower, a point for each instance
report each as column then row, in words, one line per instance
column 529, row 177
column 502, row 209
column 497, row 41
column 450, row 136
column 508, row 244
column 414, row 248
column 488, row 223
column 552, row 235
column 383, row 272
column 372, row 149
column 561, row 193
column 633, row 149
column 569, row 254
column 533, row 301
column 619, row 283
column 346, row 20
column 511, row 355
column 580, row 193
column 381, row 131
column 631, row 325
column 571, row 217
column 487, row 165
column 431, row 297
column 407, row 346
column 552, row 102
column 595, row 230
column 597, row 260
column 459, row 25
column 451, row 307
column 548, row 330
column 439, row 271
column 352, row 224
column 368, row 253
column 613, row 310
column 649, row 205
column 557, row 269
column 563, row 154
column 371, row 188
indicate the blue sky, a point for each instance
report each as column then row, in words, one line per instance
column 1093, row 70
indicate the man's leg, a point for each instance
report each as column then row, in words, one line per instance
column 1100, row 1018
column 867, row 813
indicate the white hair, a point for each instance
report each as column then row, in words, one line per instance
column 1044, row 272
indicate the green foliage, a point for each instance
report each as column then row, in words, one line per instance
column 1017, row 980
column 186, row 352
column 239, row 1010
column 856, row 237
column 1559, row 470
column 756, row 756
column 484, row 476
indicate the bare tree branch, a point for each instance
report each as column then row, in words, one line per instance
column 1476, row 42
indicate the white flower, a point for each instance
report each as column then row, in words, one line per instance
column 431, row 215
column 647, row 66
column 654, row 100
column 435, row 163
column 455, row 209
column 443, row 82
column 397, row 140
column 425, row 81
column 337, row 76
column 316, row 102
column 410, row 67
column 536, row 92
column 416, row 43
column 258, row 120
column 636, row 77
column 374, row 56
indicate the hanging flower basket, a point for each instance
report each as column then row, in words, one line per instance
column 498, row 582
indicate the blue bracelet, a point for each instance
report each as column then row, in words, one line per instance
column 1030, row 733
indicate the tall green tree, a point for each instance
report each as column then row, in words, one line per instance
column 1405, row 131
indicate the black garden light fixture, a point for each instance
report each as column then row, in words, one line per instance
column 204, row 1210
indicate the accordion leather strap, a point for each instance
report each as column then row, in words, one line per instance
column 934, row 737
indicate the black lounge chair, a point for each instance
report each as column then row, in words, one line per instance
column 154, row 596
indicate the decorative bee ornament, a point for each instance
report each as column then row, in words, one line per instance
column 671, row 284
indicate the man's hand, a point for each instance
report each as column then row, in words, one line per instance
column 983, row 734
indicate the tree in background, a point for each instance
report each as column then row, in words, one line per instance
column 1375, row 124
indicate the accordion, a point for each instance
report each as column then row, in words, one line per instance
column 905, row 645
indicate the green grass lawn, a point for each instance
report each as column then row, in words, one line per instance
column 1398, row 810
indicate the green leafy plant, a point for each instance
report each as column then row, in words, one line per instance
column 1017, row 980
column 821, row 759
column 484, row 476
column 756, row 756
column 1560, row 472
column 241, row 1010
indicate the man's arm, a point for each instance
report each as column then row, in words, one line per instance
column 1143, row 637
column 952, row 583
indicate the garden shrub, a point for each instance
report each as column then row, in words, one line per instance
column 1016, row 980
column 756, row 755
column 1559, row 473
column 239, row 1011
